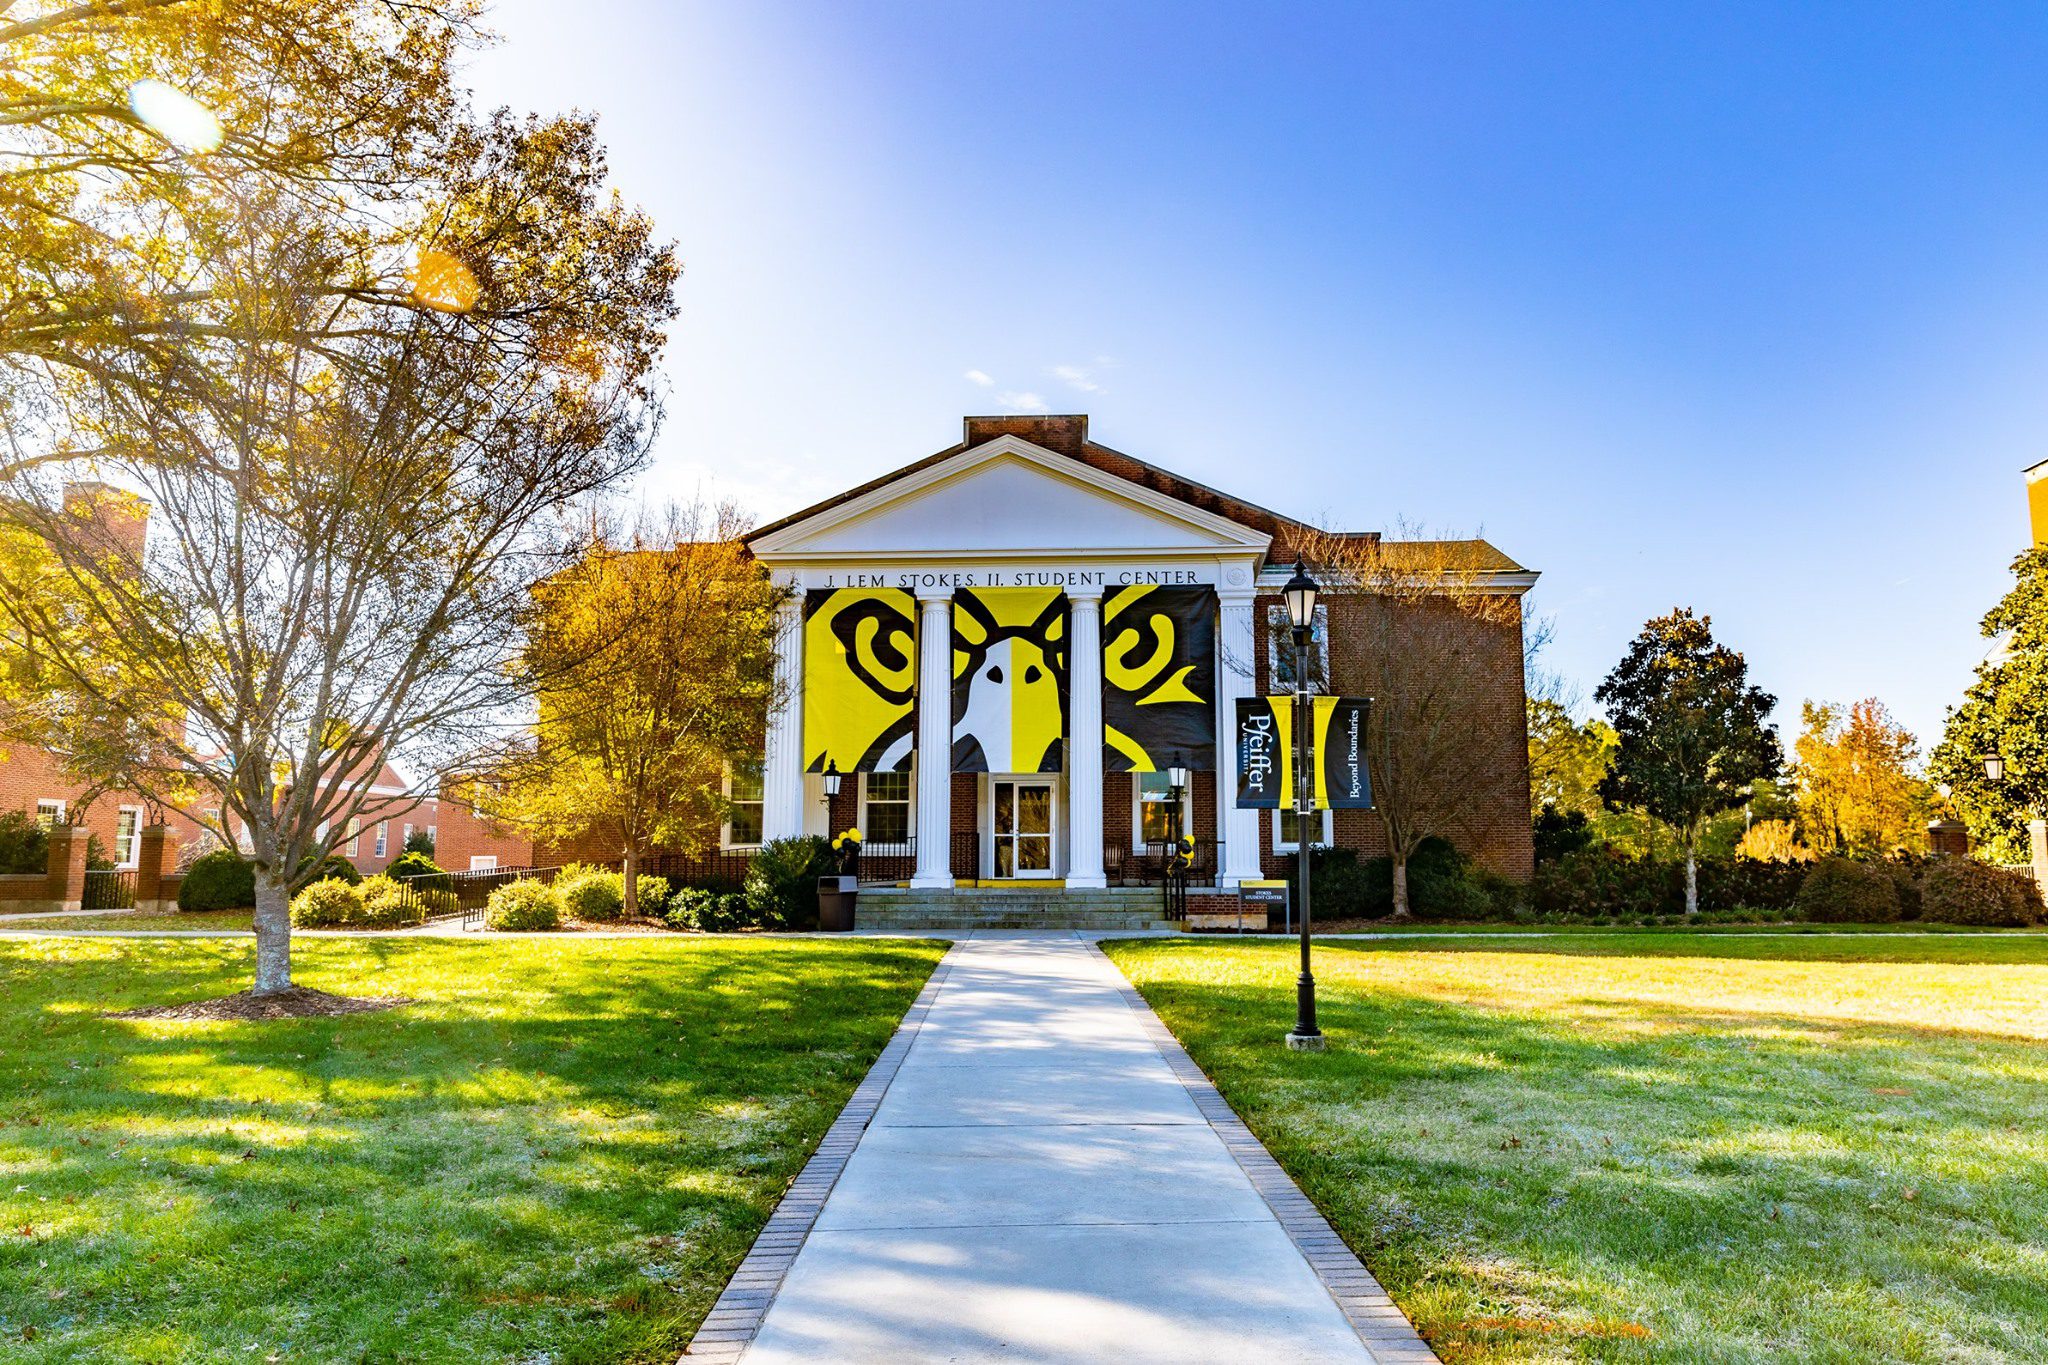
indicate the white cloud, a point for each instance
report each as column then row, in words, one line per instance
column 1078, row 377
column 977, row 377
column 1014, row 400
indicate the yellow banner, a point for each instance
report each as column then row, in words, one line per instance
column 1010, row 680
column 860, row 678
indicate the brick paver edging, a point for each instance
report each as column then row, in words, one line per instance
column 735, row 1318
column 1380, row 1324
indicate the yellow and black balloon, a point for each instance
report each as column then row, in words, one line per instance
column 1009, row 680
column 860, row 679
column 1159, row 679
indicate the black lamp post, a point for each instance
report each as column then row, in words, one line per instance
column 832, row 777
column 1300, row 594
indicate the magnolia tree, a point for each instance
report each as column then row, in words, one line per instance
column 1693, row 733
column 1432, row 631
column 2004, row 714
column 656, row 659
column 363, row 422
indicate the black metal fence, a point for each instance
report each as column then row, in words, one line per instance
column 448, row 895
column 110, row 888
column 1149, row 866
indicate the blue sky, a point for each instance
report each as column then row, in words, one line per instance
column 1737, row 307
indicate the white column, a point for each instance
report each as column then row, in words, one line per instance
column 1084, row 739
column 1236, row 676
column 934, row 740
column 782, row 762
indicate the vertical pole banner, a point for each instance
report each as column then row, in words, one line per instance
column 1265, row 753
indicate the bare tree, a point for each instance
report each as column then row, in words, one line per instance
column 349, row 503
column 1429, row 629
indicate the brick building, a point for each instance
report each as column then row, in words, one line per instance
column 1104, row 616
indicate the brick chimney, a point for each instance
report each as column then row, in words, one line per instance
column 1067, row 434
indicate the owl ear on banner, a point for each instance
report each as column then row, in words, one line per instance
column 860, row 679
column 1159, row 679
column 1009, row 680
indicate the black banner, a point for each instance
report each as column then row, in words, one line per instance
column 1265, row 753
column 1159, row 679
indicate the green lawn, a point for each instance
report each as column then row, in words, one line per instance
column 1659, row 1147
column 216, row 920
column 558, row 1154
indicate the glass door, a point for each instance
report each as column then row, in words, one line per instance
column 1023, row 827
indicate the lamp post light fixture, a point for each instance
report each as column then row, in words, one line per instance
column 1300, row 594
column 832, row 778
column 1994, row 767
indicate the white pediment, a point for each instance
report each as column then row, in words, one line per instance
column 1008, row 497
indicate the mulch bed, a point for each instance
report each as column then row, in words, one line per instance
column 296, row 1002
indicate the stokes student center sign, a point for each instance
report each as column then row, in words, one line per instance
column 1006, row 646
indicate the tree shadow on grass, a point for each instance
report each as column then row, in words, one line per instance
column 556, row 1148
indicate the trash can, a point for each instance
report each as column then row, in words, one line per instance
column 836, row 896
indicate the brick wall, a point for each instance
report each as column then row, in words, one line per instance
column 1497, row 836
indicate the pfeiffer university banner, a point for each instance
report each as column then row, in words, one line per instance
column 1265, row 753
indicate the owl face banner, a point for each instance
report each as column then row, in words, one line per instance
column 1009, row 680
column 860, row 678
column 1159, row 679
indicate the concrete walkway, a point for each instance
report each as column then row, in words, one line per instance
column 1039, row 1183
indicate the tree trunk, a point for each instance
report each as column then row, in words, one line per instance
column 1692, row 880
column 631, row 868
column 1401, row 910
column 273, row 933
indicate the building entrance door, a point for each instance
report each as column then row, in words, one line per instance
column 1023, row 827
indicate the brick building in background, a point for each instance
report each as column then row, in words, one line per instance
column 34, row 782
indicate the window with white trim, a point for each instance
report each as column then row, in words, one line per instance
column 431, row 837
column 355, row 836
column 483, row 862
column 1152, row 810
column 383, row 837
column 744, row 801
column 885, row 808
column 1280, row 651
column 127, row 836
column 49, row 812
column 1285, row 823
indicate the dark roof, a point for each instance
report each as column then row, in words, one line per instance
column 1067, row 434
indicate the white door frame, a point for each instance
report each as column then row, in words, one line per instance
column 1058, row 847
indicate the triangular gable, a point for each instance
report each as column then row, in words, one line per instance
column 1006, row 496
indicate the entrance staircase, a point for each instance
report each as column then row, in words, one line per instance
column 1111, row 909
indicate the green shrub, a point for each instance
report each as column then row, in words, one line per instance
column 651, row 896
column 782, row 881
column 708, row 909
column 329, row 904
column 332, row 868
column 1965, row 891
column 523, row 905
column 24, row 844
column 420, row 842
column 96, row 859
column 1906, row 872
column 388, row 904
column 220, row 880
column 1843, row 891
column 413, row 864
column 591, row 893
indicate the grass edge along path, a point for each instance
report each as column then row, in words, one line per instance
column 1657, row 1150
column 560, row 1151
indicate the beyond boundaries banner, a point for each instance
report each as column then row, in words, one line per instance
column 1265, row 753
